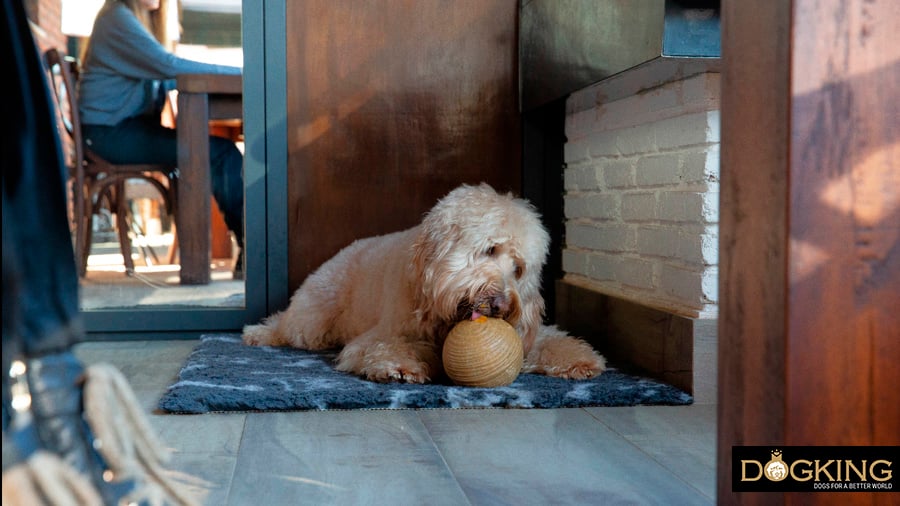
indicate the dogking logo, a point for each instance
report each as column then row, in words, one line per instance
column 814, row 468
column 776, row 470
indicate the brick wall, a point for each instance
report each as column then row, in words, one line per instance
column 642, row 194
column 46, row 23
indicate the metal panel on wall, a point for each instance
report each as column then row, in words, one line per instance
column 568, row 45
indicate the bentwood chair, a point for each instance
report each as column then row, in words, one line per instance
column 93, row 179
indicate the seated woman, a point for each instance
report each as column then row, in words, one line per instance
column 125, row 74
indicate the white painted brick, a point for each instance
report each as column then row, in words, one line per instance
column 709, row 245
column 640, row 109
column 603, row 144
column 601, row 267
column 582, row 100
column 577, row 151
column 635, row 272
column 636, row 140
column 712, row 169
column 581, row 178
column 656, row 170
column 663, row 97
column 687, row 130
column 710, row 211
column 596, row 266
column 683, row 284
column 702, row 88
column 713, row 126
column 599, row 206
column 693, row 165
column 613, row 238
column 655, row 158
column 574, row 261
column 618, row 114
column 676, row 242
column 580, row 235
column 662, row 242
column 681, row 206
column 662, row 102
column 691, row 248
column 579, row 125
column 619, row 173
column 709, row 284
column 639, row 206
column 571, row 129
column 701, row 165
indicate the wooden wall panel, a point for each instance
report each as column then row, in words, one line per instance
column 845, row 223
column 752, row 230
column 809, row 334
column 391, row 104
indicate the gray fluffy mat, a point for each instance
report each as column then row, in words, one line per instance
column 223, row 374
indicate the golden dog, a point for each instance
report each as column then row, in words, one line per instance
column 389, row 301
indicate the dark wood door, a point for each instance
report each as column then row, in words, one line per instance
column 810, row 244
column 391, row 104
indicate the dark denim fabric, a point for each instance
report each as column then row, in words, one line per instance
column 38, row 260
column 40, row 283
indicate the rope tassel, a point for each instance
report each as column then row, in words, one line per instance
column 45, row 479
column 125, row 439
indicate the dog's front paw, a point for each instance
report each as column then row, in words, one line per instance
column 565, row 357
column 396, row 360
column 257, row 335
column 580, row 370
column 394, row 372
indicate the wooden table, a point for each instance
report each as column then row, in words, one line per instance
column 201, row 98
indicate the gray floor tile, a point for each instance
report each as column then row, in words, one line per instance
column 206, row 478
column 549, row 457
column 347, row 458
column 217, row 434
column 681, row 438
column 146, row 364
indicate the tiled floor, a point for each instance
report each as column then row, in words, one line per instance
column 107, row 286
column 635, row 455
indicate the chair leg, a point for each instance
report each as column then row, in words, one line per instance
column 87, row 230
column 173, row 249
column 171, row 199
column 146, row 250
column 78, row 205
column 120, row 204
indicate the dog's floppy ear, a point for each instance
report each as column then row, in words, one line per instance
column 533, row 249
column 434, row 241
column 532, row 316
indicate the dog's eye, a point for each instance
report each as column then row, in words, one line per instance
column 491, row 251
column 520, row 269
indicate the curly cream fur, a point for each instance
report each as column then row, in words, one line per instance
column 389, row 301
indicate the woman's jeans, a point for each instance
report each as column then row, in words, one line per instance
column 142, row 139
column 40, row 283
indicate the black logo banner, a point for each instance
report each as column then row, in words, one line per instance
column 814, row 468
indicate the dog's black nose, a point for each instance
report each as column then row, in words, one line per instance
column 499, row 305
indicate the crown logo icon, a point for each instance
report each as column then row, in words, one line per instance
column 776, row 454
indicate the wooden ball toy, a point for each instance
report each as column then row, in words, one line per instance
column 485, row 352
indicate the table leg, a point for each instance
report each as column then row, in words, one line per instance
column 194, row 188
